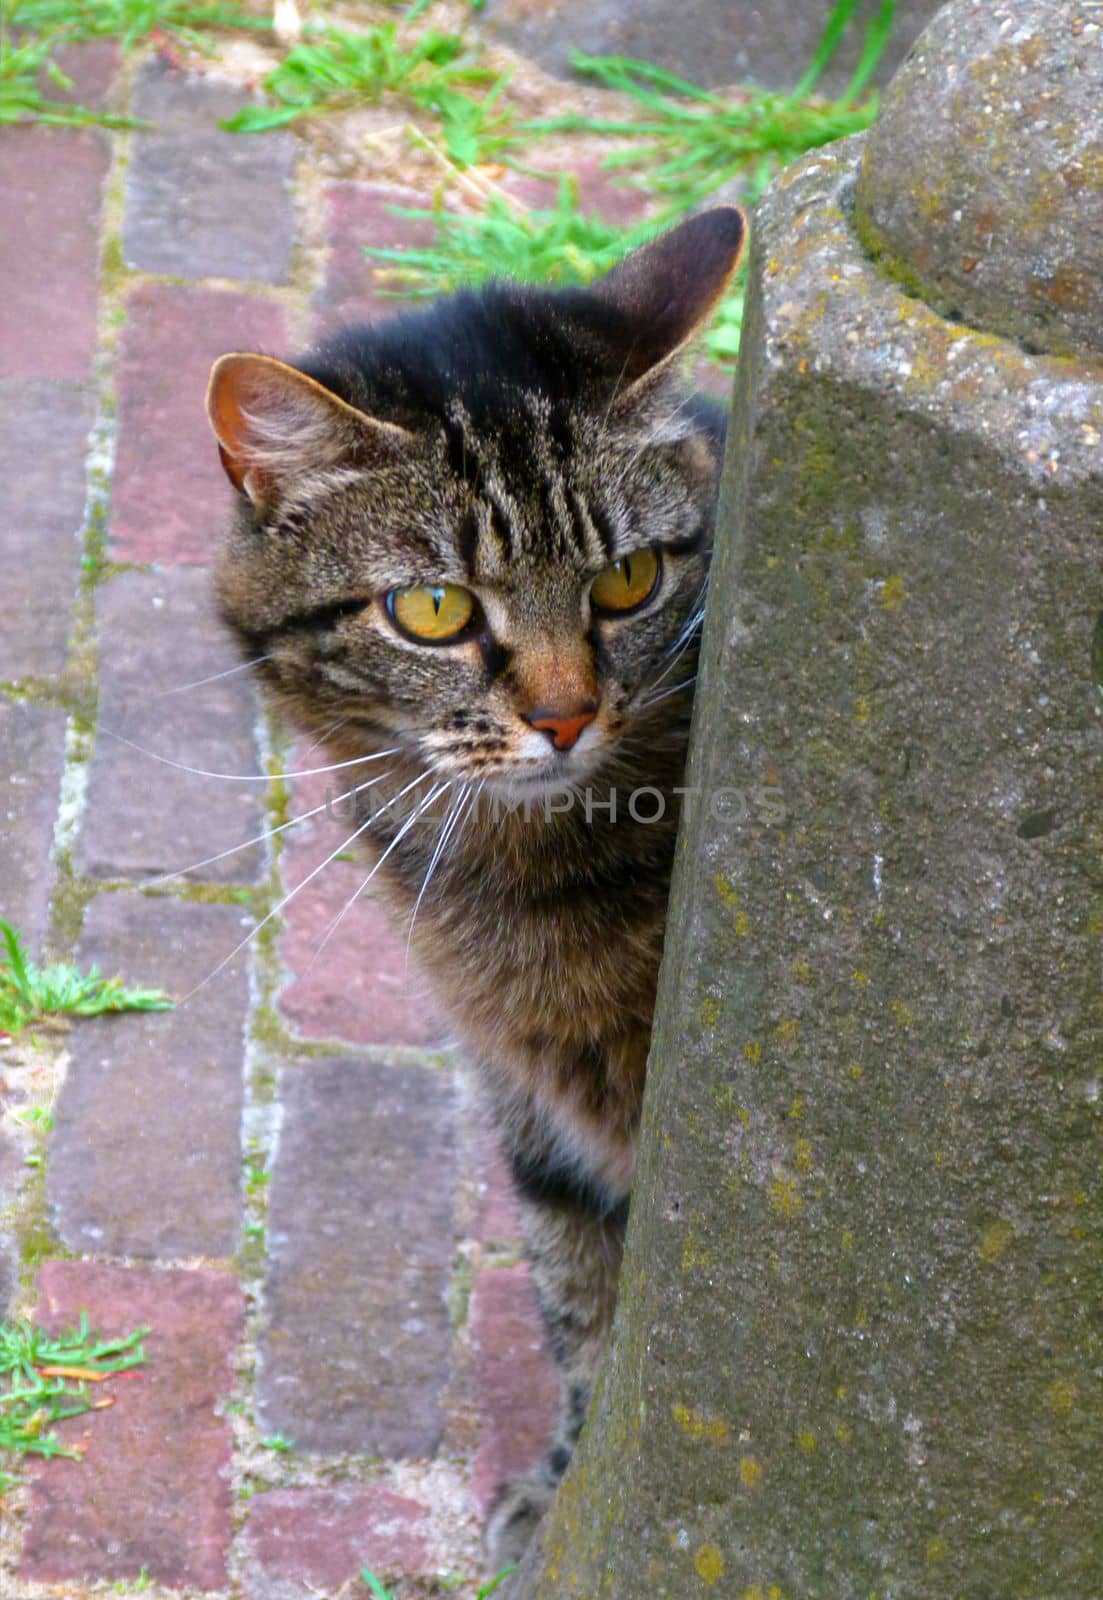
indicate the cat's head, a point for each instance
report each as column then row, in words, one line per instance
column 481, row 531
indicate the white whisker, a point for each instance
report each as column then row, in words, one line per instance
column 675, row 656
column 446, row 828
column 270, row 833
column 689, row 628
column 246, row 777
column 615, row 394
column 675, row 689
column 696, row 616
column 399, row 836
column 182, row 688
column 682, row 642
column 327, row 732
column 276, row 909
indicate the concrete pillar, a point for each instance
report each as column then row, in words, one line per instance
column 859, row 1351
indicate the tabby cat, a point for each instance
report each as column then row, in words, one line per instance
column 473, row 541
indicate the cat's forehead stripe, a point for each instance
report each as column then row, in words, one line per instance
column 502, row 529
column 596, row 530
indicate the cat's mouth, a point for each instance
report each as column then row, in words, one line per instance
column 527, row 776
column 516, row 783
column 542, row 779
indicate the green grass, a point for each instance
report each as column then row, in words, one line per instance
column 338, row 70
column 257, row 1178
column 378, row 1592
column 681, row 144
column 558, row 246
column 687, row 141
column 31, row 32
column 130, row 21
column 29, row 993
column 561, row 245
column 136, row 1585
column 684, row 143
column 277, row 1443
column 330, row 71
column 22, row 99
column 44, row 1381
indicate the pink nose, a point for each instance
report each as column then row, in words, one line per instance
column 564, row 726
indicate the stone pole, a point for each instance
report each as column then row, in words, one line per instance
column 859, row 1349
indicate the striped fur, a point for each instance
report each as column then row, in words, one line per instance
column 513, row 442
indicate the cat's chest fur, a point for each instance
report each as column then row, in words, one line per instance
column 542, row 939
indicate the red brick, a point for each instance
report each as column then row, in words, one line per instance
column 32, row 755
column 145, row 1159
column 360, row 986
column 92, row 66
column 44, row 429
column 322, row 1537
column 153, row 1489
column 44, row 444
column 202, row 203
column 158, row 634
column 52, row 182
column 171, row 497
column 356, row 1351
column 357, row 214
column 600, row 193
column 516, row 1386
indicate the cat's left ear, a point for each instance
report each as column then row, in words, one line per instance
column 273, row 423
column 667, row 290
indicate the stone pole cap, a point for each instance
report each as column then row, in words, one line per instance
column 981, row 185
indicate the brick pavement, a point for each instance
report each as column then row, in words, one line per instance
column 283, row 1179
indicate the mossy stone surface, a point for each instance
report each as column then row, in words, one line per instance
column 982, row 181
column 858, row 1345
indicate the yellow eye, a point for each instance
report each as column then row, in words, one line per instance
column 627, row 583
column 432, row 613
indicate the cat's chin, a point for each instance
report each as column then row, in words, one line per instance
column 542, row 785
column 535, row 787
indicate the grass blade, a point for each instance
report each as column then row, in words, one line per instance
column 626, row 74
column 129, row 20
column 877, row 37
column 837, row 23
column 17, row 964
column 29, row 993
column 375, row 1586
column 44, row 1381
column 488, row 1588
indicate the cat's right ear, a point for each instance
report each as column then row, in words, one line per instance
column 273, row 423
column 666, row 291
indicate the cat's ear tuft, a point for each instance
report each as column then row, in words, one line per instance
column 667, row 290
column 273, row 423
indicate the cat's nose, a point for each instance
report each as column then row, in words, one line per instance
column 563, row 724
